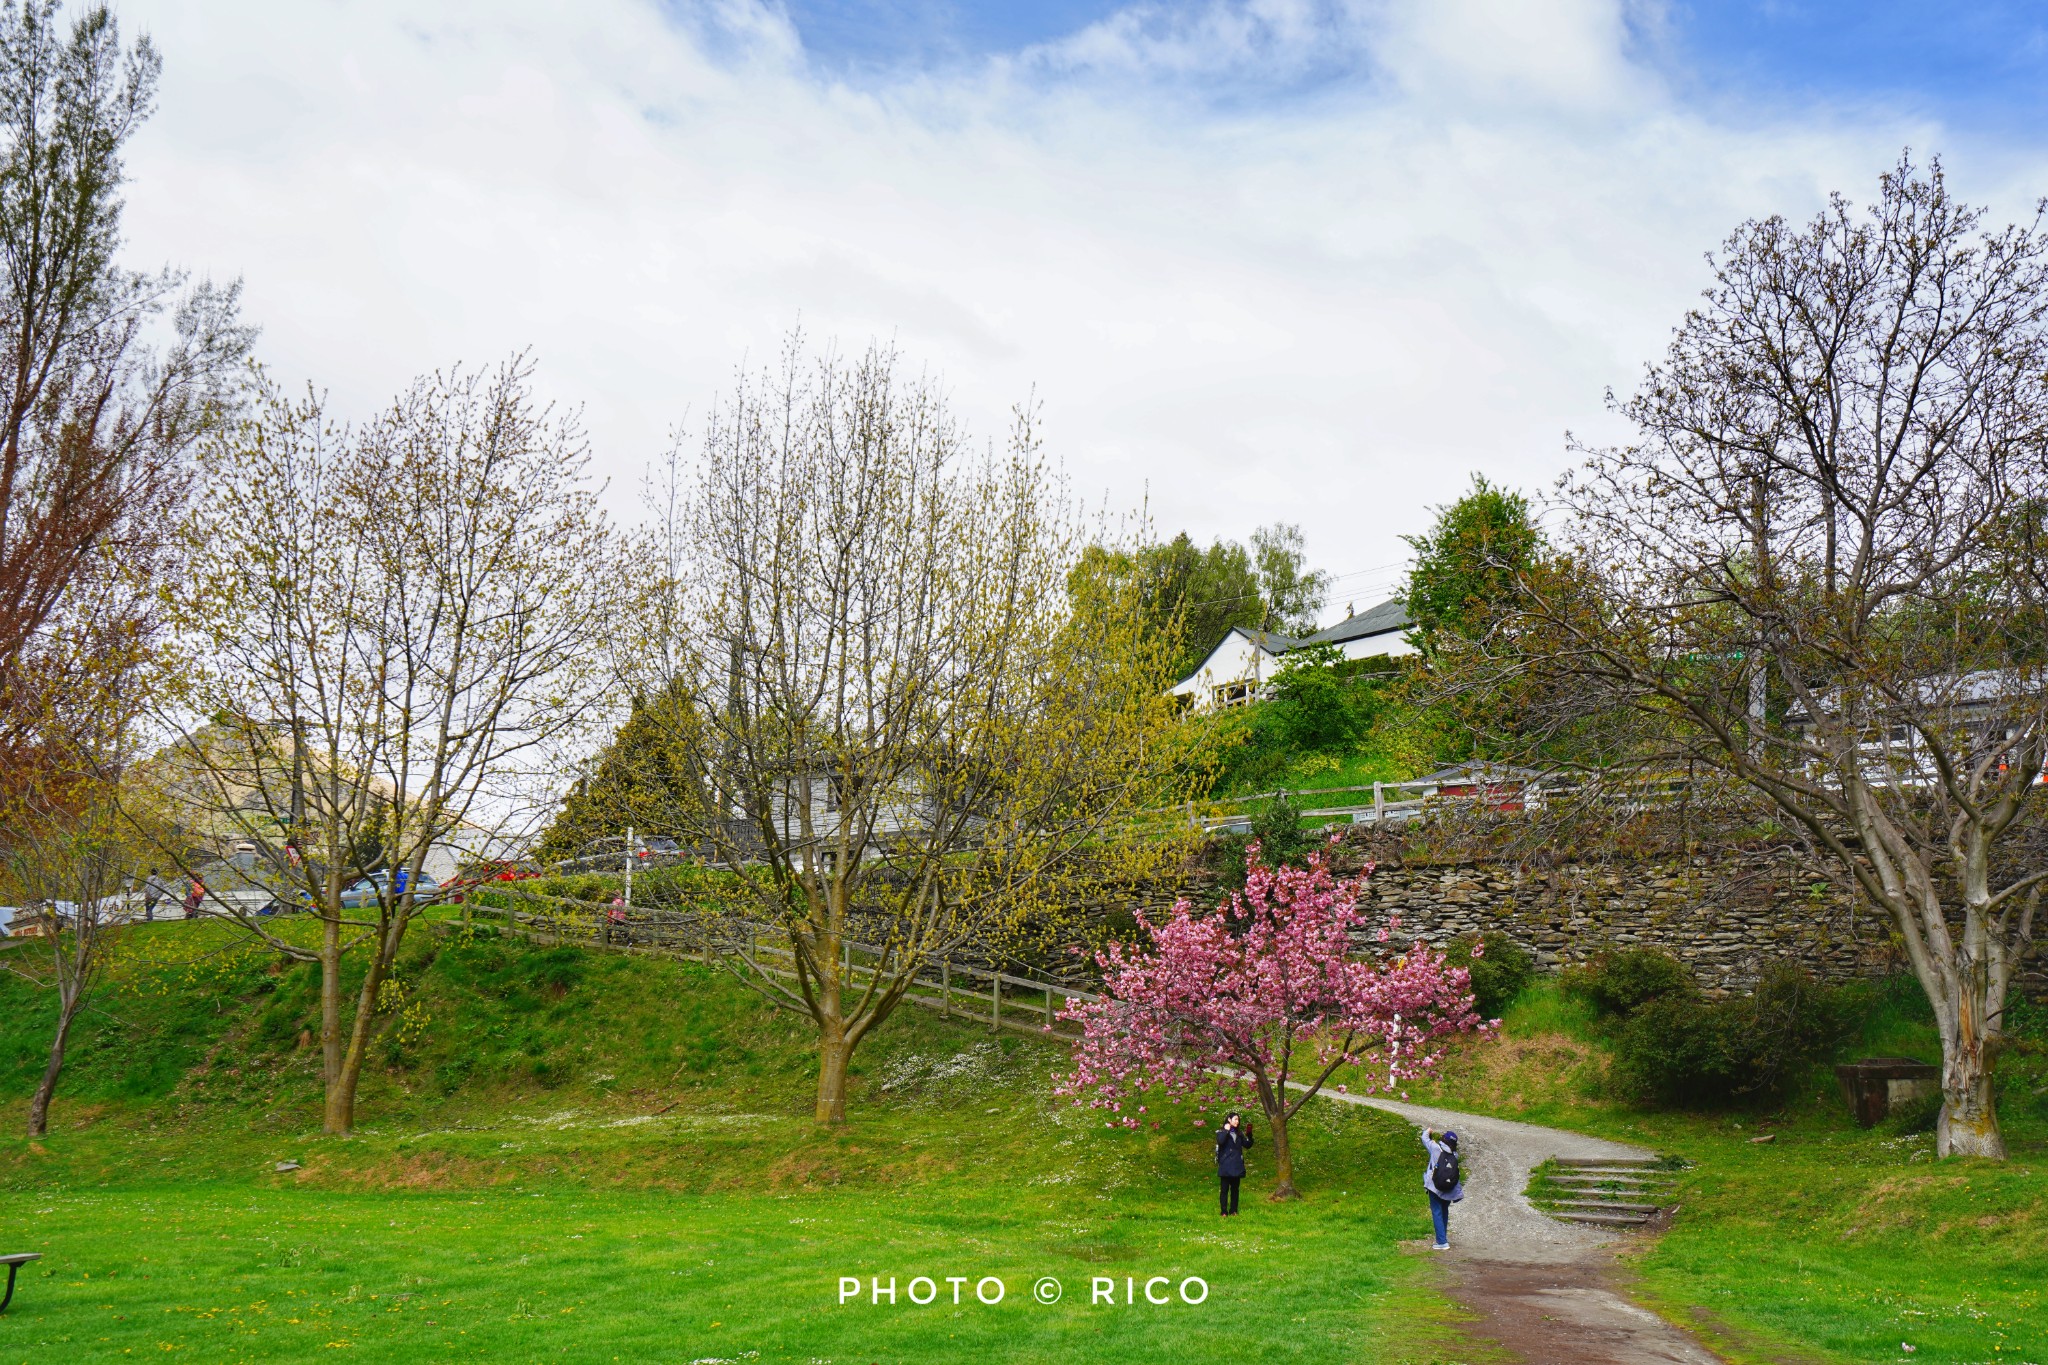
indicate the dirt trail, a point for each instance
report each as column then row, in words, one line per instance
column 1545, row 1291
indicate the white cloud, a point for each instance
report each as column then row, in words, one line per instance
column 1260, row 291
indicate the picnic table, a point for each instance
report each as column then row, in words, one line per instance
column 14, row 1264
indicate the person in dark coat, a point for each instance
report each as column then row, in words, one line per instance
column 1440, row 1198
column 1233, row 1140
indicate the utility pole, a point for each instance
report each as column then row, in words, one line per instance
column 1757, row 696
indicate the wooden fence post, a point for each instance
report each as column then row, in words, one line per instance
column 1379, row 805
column 995, row 1002
column 945, row 988
column 1048, row 1005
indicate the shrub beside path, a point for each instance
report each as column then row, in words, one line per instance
column 1546, row 1291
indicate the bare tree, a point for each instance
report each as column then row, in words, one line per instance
column 1823, row 572
column 67, row 850
column 96, row 419
column 395, row 628
column 902, row 727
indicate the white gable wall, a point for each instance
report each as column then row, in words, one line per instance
column 1240, row 665
column 1238, row 659
column 1388, row 644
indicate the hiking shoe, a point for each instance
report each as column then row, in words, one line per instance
column 1442, row 1246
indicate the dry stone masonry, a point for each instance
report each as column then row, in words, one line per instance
column 1726, row 915
column 1725, row 918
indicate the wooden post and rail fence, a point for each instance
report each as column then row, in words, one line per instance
column 950, row 984
column 945, row 983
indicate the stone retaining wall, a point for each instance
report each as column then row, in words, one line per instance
column 1725, row 915
column 1724, row 918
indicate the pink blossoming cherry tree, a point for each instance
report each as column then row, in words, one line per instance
column 1264, row 996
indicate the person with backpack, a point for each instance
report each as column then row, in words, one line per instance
column 1445, row 1182
column 1233, row 1139
column 153, row 892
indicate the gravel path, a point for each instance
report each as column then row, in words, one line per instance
column 1543, row 1289
column 1495, row 1221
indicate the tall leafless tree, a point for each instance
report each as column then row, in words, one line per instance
column 1823, row 572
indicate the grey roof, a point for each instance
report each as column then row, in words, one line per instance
column 1391, row 614
column 1272, row 641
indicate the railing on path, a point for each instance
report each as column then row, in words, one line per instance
column 1392, row 802
column 947, row 981
column 1398, row 802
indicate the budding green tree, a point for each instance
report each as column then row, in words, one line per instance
column 902, row 724
column 392, row 628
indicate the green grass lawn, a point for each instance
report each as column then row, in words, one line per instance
column 583, row 1156
column 1840, row 1242
column 589, row 1157
column 246, row 1270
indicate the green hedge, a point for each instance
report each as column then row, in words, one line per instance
column 1674, row 1048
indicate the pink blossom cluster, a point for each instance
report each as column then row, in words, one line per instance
column 1236, row 1003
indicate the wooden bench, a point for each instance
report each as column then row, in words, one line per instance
column 14, row 1264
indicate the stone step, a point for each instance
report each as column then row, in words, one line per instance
column 1617, row 1182
column 1637, row 1171
column 1615, row 1205
column 1605, row 1162
column 1615, row 1220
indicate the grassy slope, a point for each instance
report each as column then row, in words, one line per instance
column 1402, row 741
column 1844, row 1242
column 522, row 1187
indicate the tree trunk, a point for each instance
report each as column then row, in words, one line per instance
column 835, row 1048
column 39, row 1106
column 1283, row 1157
column 834, row 1054
column 341, row 1096
column 1969, row 1117
column 330, row 1023
column 1965, row 979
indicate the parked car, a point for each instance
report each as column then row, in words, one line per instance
column 609, row 854
column 369, row 890
column 494, row 870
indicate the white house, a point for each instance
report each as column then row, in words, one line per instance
column 1235, row 670
column 1245, row 660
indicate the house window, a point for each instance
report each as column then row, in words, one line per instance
column 1236, row 693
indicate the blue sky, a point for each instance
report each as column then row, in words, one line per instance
column 1311, row 261
column 1982, row 62
column 891, row 32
